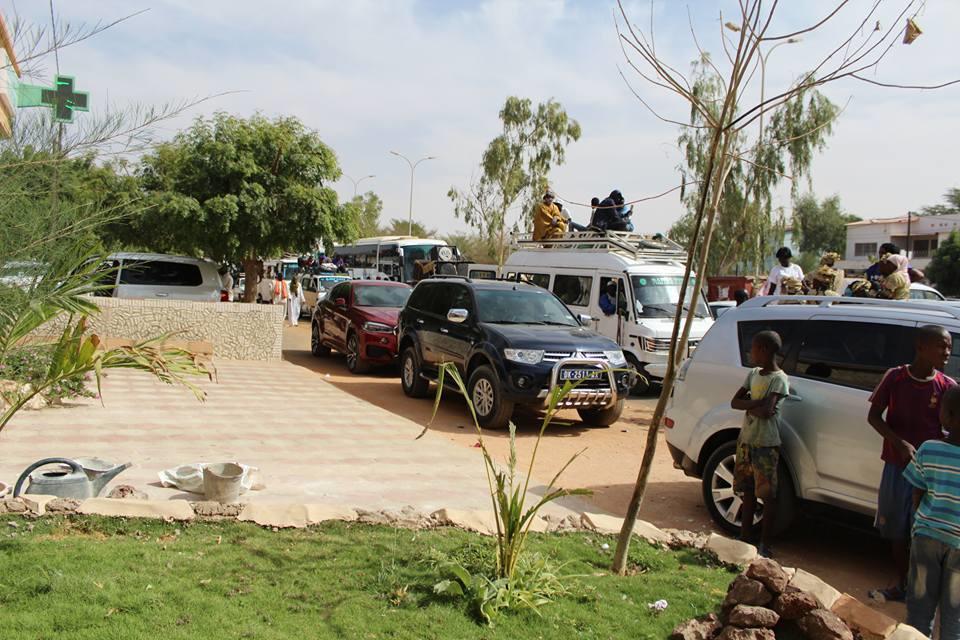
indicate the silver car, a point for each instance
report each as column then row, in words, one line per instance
column 835, row 351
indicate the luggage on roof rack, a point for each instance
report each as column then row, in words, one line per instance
column 636, row 245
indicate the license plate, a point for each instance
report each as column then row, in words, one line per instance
column 580, row 374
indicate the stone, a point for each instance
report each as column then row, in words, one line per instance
column 282, row 516
column 317, row 513
column 869, row 623
column 795, row 605
column 702, row 628
column 824, row 593
column 62, row 506
column 37, row 503
column 769, row 573
column 744, row 590
column 126, row 508
column 824, row 625
column 408, row 518
column 122, row 491
column 736, row 633
column 478, row 521
column 906, row 632
column 12, row 505
column 602, row 523
column 747, row 617
column 731, row 551
column 210, row 509
column 686, row 539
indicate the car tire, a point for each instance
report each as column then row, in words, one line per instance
column 486, row 395
column 355, row 362
column 412, row 382
column 602, row 417
column 317, row 348
column 724, row 506
column 642, row 384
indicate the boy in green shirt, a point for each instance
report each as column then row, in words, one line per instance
column 758, row 447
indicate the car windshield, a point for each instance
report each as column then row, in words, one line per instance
column 522, row 306
column 373, row 296
column 657, row 296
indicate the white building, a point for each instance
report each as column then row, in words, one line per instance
column 925, row 235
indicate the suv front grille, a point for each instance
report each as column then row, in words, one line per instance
column 557, row 356
column 662, row 345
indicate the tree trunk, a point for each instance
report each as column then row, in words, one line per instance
column 251, row 271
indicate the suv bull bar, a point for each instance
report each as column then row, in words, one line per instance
column 578, row 398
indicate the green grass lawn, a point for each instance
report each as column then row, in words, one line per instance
column 100, row 579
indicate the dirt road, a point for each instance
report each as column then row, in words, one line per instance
column 850, row 559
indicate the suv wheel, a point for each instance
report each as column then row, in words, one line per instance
column 493, row 411
column 725, row 506
column 642, row 384
column 602, row 417
column 355, row 362
column 317, row 347
column 411, row 381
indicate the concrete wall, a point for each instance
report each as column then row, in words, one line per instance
column 236, row 331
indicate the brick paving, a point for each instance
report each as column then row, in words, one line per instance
column 312, row 442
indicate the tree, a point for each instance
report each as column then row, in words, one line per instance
column 400, row 227
column 746, row 230
column 473, row 246
column 821, row 226
column 952, row 197
column 235, row 189
column 365, row 212
column 514, row 168
column 944, row 267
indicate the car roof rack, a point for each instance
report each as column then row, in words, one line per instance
column 827, row 302
column 447, row 276
column 635, row 245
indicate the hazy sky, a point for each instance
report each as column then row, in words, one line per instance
column 428, row 77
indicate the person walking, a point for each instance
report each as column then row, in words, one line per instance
column 295, row 301
column 280, row 291
column 905, row 410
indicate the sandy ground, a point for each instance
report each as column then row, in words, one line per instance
column 850, row 558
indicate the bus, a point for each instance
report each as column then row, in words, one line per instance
column 399, row 258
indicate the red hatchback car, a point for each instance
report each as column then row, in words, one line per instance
column 358, row 319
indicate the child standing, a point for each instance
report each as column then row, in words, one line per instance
column 758, row 447
column 935, row 554
column 905, row 410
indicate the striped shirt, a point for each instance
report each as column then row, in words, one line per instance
column 936, row 470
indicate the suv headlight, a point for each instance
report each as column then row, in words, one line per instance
column 377, row 327
column 616, row 358
column 524, row 356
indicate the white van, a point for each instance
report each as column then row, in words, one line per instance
column 153, row 275
column 648, row 271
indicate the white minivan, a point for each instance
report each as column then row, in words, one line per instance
column 648, row 272
column 159, row 276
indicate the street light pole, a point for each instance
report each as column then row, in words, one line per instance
column 356, row 183
column 413, row 167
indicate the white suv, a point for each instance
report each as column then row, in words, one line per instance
column 835, row 351
column 154, row 275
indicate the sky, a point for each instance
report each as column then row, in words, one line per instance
column 428, row 77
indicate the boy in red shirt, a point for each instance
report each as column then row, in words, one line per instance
column 905, row 410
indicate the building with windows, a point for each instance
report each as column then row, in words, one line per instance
column 917, row 236
column 9, row 79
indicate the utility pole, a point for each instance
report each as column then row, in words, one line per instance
column 413, row 167
column 357, row 182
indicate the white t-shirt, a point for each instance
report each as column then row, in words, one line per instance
column 777, row 274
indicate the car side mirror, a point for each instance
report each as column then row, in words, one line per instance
column 458, row 316
column 340, row 302
column 585, row 319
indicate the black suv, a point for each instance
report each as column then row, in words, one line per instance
column 512, row 343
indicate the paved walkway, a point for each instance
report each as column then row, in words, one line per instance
column 312, row 442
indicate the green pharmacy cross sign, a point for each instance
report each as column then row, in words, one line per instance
column 61, row 98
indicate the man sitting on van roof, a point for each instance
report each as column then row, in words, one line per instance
column 547, row 221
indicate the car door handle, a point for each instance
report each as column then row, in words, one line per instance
column 419, row 320
column 444, row 330
column 162, row 295
column 794, row 398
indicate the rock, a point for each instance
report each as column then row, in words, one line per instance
column 682, row 538
column 795, row 605
column 408, row 517
column 746, row 617
column 122, row 491
column 824, row 593
column 602, row 523
column 736, row 633
column 122, row 508
column 744, row 590
column 479, row 521
column 317, row 513
column 12, row 505
column 869, row 623
column 731, row 551
column 703, row 628
column 824, row 625
column 210, row 509
column 906, row 632
column 769, row 573
column 283, row 516
column 36, row 503
column 62, row 506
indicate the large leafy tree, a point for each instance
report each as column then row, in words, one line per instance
column 944, row 267
column 400, row 227
column 365, row 211
column 239, row 189
column 821, row 226
column 747, row 228
column 514, row 168
column 951, row 204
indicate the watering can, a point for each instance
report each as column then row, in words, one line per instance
column 86, row 477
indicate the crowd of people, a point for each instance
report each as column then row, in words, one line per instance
column 916, row 409
column 551, row 220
